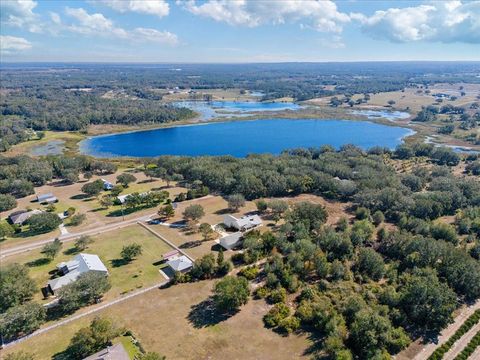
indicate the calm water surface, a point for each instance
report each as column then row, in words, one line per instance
column 240, row 138
column 215, row 109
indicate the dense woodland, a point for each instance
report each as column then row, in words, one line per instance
column 359, row 288
column 363, row 291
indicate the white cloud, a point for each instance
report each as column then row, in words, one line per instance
column 159, row 8
column 98, row 24
column 12, row 44
column 321, row 15
column 19, row 13
column 55, row 18
column 449, row 21
column 153, row 35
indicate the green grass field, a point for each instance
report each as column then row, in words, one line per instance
column 124, row 277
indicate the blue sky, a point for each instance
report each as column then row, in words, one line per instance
column 238, row 30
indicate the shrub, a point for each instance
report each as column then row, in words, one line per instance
column 262, row 292
column 250, row 272
column 277, row 296
column 289, row 324
column 77, row 219
column 276, row 314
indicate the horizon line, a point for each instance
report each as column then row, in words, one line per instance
column 236, row 63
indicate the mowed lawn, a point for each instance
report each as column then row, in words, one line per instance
column 160, row 319
column 139, row 273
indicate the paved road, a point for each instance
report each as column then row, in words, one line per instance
column 448, row 332
column 89, row 312
column 461, row 343
column 73, row 236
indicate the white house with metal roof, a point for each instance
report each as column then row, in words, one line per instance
column 242, row 224
column 231, row 241
column 46, row 198
column 71, row 270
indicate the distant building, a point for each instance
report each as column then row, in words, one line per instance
column 114, row 352
column 46, row 198
column 71, row 270
column 123, row 198
column 231, row 241
column 242, row 224
column 19, row 217
column 107, row 185
column 181, row 263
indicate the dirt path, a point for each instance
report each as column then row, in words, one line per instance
column 461, row 343
column 429, row 348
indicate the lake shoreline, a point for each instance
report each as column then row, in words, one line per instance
column 306, row 112
column 285, row 134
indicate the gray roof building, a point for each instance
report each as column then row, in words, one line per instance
column 71, row 270
column 231, row 241
column 114, row 352
column 46, row 198
column 181, row 263
column 19, row 217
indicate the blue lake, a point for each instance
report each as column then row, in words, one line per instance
column 215, row 109
column 240, row 138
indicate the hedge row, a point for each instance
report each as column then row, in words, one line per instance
column 470, row 348
column 467, row 325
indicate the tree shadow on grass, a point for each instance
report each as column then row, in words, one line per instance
column 119, row 262
column 317, row 344
column 216, row 247
column 191, row 244
column 223, row 211
column 71, row 251
column 38, row 262
column 205, row 314
column 64, row 355
column 79, row 197
column 127, row 211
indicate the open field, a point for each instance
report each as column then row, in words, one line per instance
column 217, row 94
column 69, row 139
column 160, row 320
column 124, row 277
column 413, row 98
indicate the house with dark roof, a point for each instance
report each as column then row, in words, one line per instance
column 19, row 217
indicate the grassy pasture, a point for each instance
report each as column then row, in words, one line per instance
column 127, row 277
column 161, row 320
